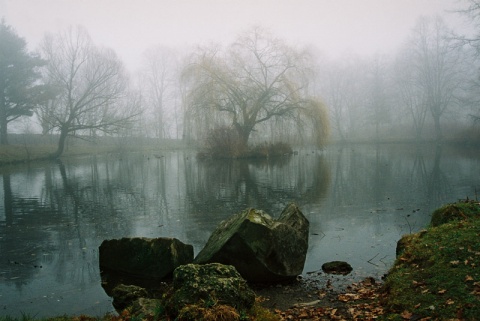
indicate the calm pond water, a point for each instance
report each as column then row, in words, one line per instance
column 359, row 200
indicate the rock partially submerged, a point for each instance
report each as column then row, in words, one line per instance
column 200, row 287
column 262, row 249
column 337, row 267
column 144, row 257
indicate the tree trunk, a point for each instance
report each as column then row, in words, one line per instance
column 61, row 143
column 244, row 134
column 3, row 126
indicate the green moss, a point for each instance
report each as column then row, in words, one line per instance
column 258, row 216
column 207, row 286
column 259, row 313
column 454, row 212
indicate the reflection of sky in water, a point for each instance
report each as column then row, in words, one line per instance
column 359, row 202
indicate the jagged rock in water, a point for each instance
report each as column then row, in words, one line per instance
column 262, row 249
column 145, row 257
column 337, row 267
column 204, row 286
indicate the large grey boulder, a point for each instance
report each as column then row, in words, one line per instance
column 144, row 257
column 262, row 249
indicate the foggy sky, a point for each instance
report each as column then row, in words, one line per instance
column 335, row 27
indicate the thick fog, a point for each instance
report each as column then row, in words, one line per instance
column 130, row 27
column 378, row 70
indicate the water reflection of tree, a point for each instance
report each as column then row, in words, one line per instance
column 92, row 202
column 384, row 173
column 360, row 178
column 221, row 188
column 375, row 190
column 427, row 177
column 361, row 185
column 78, row 205
column 7, row 199
column 438, row 186
column 407, row 182
column 25, row 236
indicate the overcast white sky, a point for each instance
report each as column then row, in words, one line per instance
column 336, row 27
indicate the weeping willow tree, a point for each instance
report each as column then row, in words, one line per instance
column 255, row 80
column 317, row 114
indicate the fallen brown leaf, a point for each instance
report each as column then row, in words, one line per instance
column 406, row 315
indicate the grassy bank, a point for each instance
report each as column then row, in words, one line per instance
column 15, row 154
column 437, row 275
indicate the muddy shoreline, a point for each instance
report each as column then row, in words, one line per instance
column 308, row 291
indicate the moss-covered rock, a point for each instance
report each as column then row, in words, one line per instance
column 261, row 249
column 144, row 307
column 205, row 286
column 456, row 211
column 124, row 295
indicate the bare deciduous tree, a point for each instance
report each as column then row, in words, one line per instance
column 256, row 79
column 158, row 74
column 377, row 93
column 410, row 92
column 90, row 83
column 343, row 85
column 437, row 62
column 472, row 12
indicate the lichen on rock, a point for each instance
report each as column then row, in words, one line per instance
column 206, row 286
column 124, row 295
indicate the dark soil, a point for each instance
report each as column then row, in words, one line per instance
column 287, row 295
column 319, row 297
